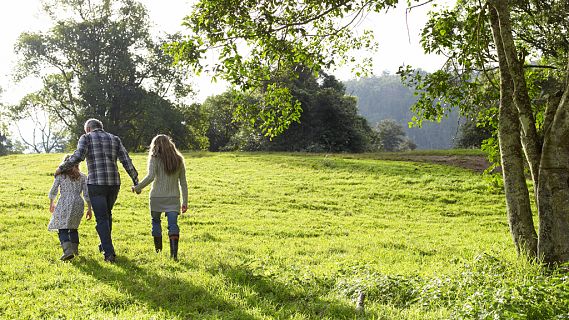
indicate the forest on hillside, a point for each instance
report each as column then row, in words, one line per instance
column 386, row 97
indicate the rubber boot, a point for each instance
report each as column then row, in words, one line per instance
column 75, row 248
column 174, row 246
column 158, row 244
column 67, row 251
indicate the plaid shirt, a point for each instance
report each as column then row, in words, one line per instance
column 101, row 149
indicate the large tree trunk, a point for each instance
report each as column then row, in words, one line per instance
column 517, row 196
column 553, row 189
column 530, row 139
column 550, row 171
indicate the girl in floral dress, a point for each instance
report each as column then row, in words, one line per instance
column 67, row 213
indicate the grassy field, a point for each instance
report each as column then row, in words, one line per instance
column 279, row 236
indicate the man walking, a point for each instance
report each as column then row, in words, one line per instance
column 101, row 149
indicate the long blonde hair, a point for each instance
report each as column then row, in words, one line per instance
column 73, row 173
column 163, row 147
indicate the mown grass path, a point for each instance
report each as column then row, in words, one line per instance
column 266, row 236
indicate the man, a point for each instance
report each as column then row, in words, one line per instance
column 101, row 149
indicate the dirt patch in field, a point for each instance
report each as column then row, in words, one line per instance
column 474, row 163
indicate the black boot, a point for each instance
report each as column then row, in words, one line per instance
column 75, row 248
column 174, row 246
column 67, row 251
column 158, row 244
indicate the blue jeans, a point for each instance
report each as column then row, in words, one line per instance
column 102, row 200
column 66, row 235
column 172, row 223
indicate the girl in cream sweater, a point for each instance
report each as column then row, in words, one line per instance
column 167, row 171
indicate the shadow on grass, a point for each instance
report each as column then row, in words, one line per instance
column 336, row 164
column 387, row 164
column 279, row 300
column 198, row 154
column 158, row 292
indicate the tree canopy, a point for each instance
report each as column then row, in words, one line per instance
column 252, row 39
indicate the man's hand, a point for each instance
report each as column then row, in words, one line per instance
column 57, row 172
column 51, row 207
column 89, row 214
column 184, row 208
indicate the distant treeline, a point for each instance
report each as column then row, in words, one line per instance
column 385, row 97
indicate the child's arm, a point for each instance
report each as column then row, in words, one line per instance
column 89, row 213
column 53, row 193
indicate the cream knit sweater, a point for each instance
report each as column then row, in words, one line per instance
column 165, row 185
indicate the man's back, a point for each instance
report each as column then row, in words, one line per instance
column 101, row 150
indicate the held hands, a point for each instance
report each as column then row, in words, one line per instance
column 133, row 189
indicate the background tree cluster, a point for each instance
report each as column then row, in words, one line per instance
column 329, row 121
column 99, row 60
column 7, row 145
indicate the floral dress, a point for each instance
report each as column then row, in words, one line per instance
column 70, row 206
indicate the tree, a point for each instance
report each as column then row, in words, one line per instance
column 222, row 125
column 472, row 134
column 329, row 121
column 46, row 134
column 288, row 32
column 5, row 143
column 530, row 100
column 7, row 146
column 392, row 136
column 99, row 60
column 258, row 37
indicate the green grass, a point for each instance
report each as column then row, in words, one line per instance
column 278, row 236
